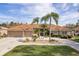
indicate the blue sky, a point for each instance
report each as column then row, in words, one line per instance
column 25, row 12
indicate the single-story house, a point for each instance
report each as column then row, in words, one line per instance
column 3, row 31
column 26, row 30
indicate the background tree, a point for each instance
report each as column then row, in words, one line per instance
column 36, row 20
column 3, row 24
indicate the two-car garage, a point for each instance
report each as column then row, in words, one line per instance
column 20, row 31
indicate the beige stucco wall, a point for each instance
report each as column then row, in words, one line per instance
column 59, row 32
column 19, row 33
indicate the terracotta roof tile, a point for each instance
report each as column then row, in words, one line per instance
column 29, row 27
column 25, row 27
column 56, row 28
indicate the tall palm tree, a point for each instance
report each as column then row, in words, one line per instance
column 55, row 17
column 36, row 20
column 44, row 18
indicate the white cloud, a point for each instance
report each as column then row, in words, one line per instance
column 65, row 6
column 5, row 18
column 69, row 17
column 38, row 9
column 75, row 4
column 29, row 11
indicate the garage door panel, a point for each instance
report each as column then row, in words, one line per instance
column 15, row 34
column 28, row 33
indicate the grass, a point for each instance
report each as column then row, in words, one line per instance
column 76, row 38
column 38, row 50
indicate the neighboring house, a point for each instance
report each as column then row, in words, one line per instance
column 3, row 31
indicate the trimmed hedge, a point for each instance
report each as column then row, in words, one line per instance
column 62, row 36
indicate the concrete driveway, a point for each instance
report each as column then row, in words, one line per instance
column 8, row 43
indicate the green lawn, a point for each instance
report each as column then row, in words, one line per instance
column 38, row 50
column 76, row 38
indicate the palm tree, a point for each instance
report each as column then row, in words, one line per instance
column 43, row 30
column 44, row 18
column 36, row 20
column 55, row 17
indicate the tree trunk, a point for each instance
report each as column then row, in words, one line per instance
column 39, row 32
column 45, row 30
column 50, row 30
column 39, row 29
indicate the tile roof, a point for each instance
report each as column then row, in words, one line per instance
column 60, row 28
column 29, row 27
column 25, row 27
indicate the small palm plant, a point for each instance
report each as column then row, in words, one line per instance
column 34, row 36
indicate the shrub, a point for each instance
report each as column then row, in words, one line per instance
column 52, row 40
column 34, row 36
column 75, row 38
column 69, row 36
column 56, row 35
column 64, row 36
column 27, row 39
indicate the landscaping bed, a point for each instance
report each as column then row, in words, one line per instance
column 42, row 50
column 75, row 38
